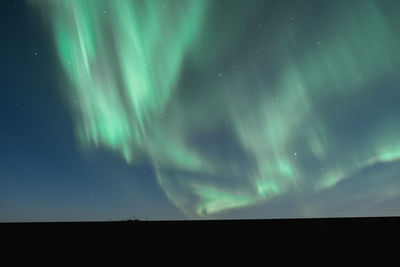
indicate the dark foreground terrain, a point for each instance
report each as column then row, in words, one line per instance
column 199, row 237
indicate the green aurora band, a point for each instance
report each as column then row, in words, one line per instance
column 240, row 126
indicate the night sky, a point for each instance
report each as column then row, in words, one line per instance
column 203, row 109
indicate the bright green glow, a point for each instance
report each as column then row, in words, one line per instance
column 266, row 188
column 386, row 154
column 129, row 91
column 390, row 155
column 122, row 77
column 214, row 200
column 330, row 179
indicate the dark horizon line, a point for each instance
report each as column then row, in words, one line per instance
column 278, row 219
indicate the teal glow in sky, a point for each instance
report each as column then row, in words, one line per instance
column 238, row 104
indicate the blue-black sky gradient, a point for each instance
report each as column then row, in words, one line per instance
column 282, row 109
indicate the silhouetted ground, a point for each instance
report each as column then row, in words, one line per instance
column 199, row 237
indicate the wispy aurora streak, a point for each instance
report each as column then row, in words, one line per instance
column 293, row 110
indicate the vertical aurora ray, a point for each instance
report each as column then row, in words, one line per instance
column 229, row 122
column 122, row 76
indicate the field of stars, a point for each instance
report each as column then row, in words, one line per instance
column 199, row 109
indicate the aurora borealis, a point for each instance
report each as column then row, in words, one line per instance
column 240, row 107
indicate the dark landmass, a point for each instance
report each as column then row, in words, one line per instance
column 97, row 238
